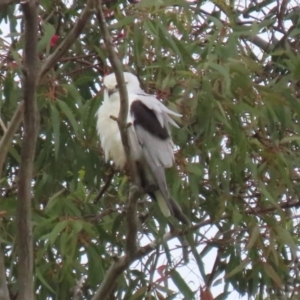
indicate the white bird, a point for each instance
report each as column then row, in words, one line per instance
column 149, row 138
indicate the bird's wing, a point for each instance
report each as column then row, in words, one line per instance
column 162, row 112
column 151, row 124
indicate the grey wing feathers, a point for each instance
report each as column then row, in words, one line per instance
column 158, row 151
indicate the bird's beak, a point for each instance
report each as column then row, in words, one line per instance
column 111, row 91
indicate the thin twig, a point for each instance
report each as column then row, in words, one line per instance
column 105, row 186
column 23, row 217
column 152, row 271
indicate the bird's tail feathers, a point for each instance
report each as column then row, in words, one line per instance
column 162, row 203
column 177, row 212
column 169, row 206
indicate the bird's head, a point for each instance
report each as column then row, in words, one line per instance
column 111, row 85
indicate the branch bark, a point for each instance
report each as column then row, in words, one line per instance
column 7, row 2
column 4, row 293
column 23, row 218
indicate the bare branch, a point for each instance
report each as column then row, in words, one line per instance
column 6, row 139
column 117, row 268
column 106, row 186
column 259, row 42
column 152, row 272
column 4, row 293
column 23, row 218
column 63, row 47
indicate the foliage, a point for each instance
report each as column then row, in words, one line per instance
column 232, row 68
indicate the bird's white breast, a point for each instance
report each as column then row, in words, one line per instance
column 109, row 133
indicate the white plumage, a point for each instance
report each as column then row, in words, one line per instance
column 149, row 137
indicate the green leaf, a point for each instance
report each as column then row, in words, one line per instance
column 239, row 268
column 44, row 42
column 289, row 139
column 219, row 68
column 181, row 285
column 195, row 168
column 53, row 235
column 123, row 22
column 271, row 272
column 74, row 93
column 43, row 281
column 286, row 237
column 139, row 294
column 253, row 237
column 68, row 112
column 13, row 152
column 56, row 128
column 51, row 201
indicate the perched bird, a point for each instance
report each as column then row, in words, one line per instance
column 149, row 138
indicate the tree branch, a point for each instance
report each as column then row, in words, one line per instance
column 7, row 138
column 259, row 42
column 4, row 293
column 120, row 265
column 117, row 268
column 131, row 246
column 23, row 218
column 64, row 46
column 105, row 186
column 5, row 3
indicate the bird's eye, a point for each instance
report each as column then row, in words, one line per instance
column 116, row 86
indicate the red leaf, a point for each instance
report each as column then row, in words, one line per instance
column 54, row 40
column 205, row 294
column 161, row 269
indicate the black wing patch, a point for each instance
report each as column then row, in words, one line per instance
column 147, row 119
